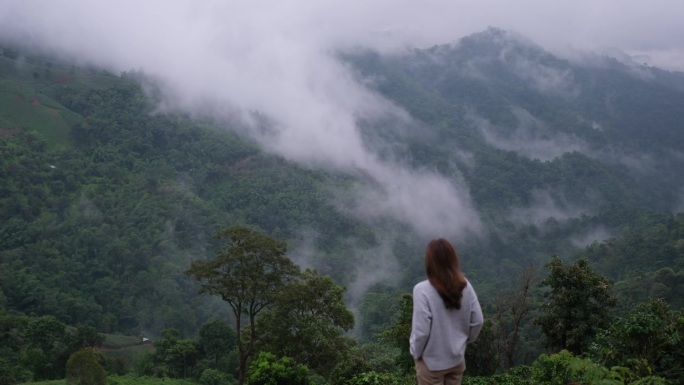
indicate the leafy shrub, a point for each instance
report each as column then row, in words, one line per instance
column 563, row 368
column 266, row 369
column 375, row 378
column 83, row 368
column 213, row 377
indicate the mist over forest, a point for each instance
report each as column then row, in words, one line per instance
column 123, row 153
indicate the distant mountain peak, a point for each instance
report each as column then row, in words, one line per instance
column 494, row 44
column 499, row 38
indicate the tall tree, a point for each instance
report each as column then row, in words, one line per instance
column 248, row 274
column 512, row 313
column 308, row 323
column 577, row 305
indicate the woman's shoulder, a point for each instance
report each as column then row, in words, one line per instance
column 469, row 287
column 422, row 286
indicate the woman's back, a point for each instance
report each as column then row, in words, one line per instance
column 439, row 335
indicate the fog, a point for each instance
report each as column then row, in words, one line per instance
column 544, row 207
column 275, row 62
column 531, row 138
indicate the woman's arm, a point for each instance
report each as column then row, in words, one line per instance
column 476, row 317
column 420, row 326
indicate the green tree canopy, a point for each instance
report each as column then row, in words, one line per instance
column 174, row 357
column 248, row 274
column 398, row 335
column 83, row 368
column 308, row 322
column 577, row 305
column 216, row 339
column 649, row 339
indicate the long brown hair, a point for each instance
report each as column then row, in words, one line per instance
column 443, row 272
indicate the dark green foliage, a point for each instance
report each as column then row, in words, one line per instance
column 307, row 323
column 482, row 356
column 564, row 368
column 267, row 369
column 46, row 344
column 512, row 321
column 249, row 274
column 20, row 359
column 377, row 309
column 83, row 368
column 12, row 345
column 374, row 378
column 213, row 377
column 648, row 339
column 578, row 305
column 174, row 357
column 399, row 333
column 216, row 347
column 216, row 340
column 378, row 359
column 86, row 337
column 648, row 258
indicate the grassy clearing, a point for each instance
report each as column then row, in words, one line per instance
column 118, row 341
column 128, row 355
column 125, row 348
column 22, row 106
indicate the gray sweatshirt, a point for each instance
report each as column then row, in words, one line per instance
column 439, row 335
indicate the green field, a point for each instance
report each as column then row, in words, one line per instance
column 125, row 348
column 117, row 341
column 24, row 106
column 27, row 102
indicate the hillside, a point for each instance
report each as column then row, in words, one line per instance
column 99, row 226
column 105, row 201
column 555, row 153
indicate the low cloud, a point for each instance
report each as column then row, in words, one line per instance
column 530, row 138
column 544, row 206
column 426, row 200
column 671, row 60
column 596, row 234
column 545, row 79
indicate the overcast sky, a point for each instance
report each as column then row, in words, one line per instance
column 274, row 57
column 645, row 27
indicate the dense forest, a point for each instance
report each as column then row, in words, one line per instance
column 116, row 217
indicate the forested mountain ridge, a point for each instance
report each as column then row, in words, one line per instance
column 98, row 228
column 577, row 148
column 494, row 91
column 105, row 201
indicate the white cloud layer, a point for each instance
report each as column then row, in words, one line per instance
column 530, row 138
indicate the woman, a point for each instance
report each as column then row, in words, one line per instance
column 446, row 317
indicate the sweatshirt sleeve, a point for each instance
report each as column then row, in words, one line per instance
column 476, row 317
column 420, row 327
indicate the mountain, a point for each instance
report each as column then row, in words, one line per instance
column 587, row 144
column 105, row 201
